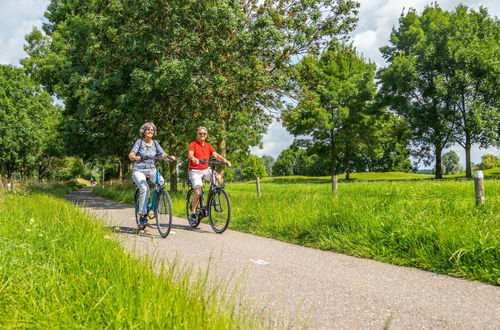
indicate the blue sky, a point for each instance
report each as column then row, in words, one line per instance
column 376, row 19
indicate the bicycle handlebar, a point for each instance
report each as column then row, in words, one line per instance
column 212, row 162
column 156, row 158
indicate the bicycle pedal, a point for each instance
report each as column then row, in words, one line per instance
column 151, row 214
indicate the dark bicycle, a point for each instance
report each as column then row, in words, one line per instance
column 159, row 205
column 218, row 208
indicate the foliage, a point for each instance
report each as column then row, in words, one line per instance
column 451, row 163
column 441, row 78
column 268, row 163
column 254, row 168
column 28, row 121
column 472, row 75
column 336, row 90
column 284, row 163
column 175, row 63
column 489, row 161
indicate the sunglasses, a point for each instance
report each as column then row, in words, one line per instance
column 149, row 130
column 202, row 133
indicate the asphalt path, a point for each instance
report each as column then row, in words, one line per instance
column 301, row 285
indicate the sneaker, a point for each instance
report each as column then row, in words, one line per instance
column 143, row 220
column 192, row 219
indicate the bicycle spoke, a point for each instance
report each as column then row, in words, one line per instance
column 163, row 213
column 220, row 211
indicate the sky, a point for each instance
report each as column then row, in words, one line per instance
column 376, row 20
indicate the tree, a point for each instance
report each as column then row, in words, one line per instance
column 284, row 163
column 489, row 161
column 254, row 168
column 384, row 145
column 441, row 78
column 472, row 76
column 268, row 163
column 27, row 116
column 222, row 64
column 451, row 163
column 335, row 92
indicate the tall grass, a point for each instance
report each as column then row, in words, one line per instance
column 59, row 268
column 432, row 225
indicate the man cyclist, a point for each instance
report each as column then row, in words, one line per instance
column 201, row 150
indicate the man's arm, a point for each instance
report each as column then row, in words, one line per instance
column 220, row 158
column 192, row 158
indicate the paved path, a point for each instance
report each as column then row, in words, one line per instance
column 298, row 284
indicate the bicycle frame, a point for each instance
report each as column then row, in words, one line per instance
column 156, row 184
column 213, row 187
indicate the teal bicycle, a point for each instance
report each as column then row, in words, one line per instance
column 159, row 205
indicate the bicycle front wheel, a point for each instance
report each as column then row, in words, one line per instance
column 163, row 213
column 219, row 211
column 137, row 216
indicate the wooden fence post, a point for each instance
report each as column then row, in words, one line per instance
column 479, row 186
column 334, row 184
column 257, row 182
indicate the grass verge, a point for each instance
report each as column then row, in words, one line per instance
column 58, row 268
column 432, row 225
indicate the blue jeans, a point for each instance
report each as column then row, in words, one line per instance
column 141, row 183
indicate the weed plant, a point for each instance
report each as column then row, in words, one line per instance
column 60, row 269
column 432, row 225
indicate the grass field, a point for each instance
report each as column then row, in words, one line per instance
column 432, row 225
column 58, row 268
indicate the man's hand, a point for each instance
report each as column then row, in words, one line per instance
column 228, row 163
column 195, row 160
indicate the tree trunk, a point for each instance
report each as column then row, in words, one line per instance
column 439, row 169
column 173, row 175
column 347, row 157
column 221, row 149
column 468, row 167
column 333, row 170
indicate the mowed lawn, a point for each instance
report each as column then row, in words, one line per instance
column 432, row 225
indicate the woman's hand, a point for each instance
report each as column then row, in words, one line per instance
column 137, row 158
column 172, row 157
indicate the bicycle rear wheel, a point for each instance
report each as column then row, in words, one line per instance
column 137, row 216
column 163, row 213
column 219, row 211
column 189, row 205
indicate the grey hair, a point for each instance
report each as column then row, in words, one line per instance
column 145, row 127
column 203, row 127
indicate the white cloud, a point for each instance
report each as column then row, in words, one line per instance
column 17, row 18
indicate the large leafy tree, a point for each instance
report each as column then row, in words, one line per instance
column 472, row 77
column 451, row 163
column 221, row 63
column 442, row 78
column 335, row 93
column 27, row 119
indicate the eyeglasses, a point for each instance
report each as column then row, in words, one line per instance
column 202, row 133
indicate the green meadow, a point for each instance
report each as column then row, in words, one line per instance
column 431, row 225
column 60, row 268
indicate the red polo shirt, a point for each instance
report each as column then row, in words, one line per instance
column 202, row 153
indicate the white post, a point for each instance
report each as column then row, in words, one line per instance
column 257, row 182
column 479, row 186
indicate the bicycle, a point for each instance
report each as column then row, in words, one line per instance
column 159, row 206
column 218, row 208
